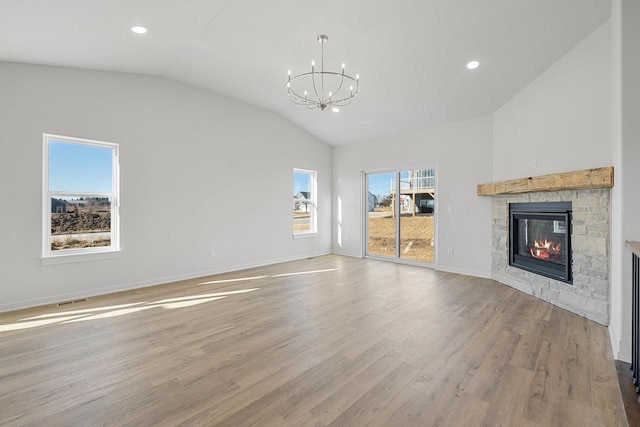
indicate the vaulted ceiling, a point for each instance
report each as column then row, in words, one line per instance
column 410, row 54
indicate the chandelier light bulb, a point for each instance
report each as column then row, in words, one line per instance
column 313, row 63
column 289, row 72
column 343, row 65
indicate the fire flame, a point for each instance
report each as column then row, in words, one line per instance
column 546, row 250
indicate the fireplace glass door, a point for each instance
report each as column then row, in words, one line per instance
column 540, row 238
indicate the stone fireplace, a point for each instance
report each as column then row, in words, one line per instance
column 583, row 288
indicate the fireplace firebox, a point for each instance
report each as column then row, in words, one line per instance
column 540, row 238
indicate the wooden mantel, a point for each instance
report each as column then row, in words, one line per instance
column 578, row 180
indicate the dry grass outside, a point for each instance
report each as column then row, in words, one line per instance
column 416, row 234
column 416, row 237
column 301, row 225
column 78, row 244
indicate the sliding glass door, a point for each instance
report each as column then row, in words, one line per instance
column 401, row 215
column 381, row 224
column 417, row 225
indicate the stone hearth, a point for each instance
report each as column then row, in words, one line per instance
column 588, row 296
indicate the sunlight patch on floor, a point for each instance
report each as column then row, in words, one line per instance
column 241, row 279
column 217, row 294
column 84, row 311
column 305, row 272
column 97, row 313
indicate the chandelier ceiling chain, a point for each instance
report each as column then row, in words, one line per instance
column 299, row 86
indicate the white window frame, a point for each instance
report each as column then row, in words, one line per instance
column 313, row 202
column 80, row 254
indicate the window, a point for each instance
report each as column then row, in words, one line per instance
column 80, row 196
column 304, row 202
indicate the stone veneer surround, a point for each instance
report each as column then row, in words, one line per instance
column 588, row 296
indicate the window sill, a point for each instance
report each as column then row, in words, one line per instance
column 305, row 235
column 83, row 257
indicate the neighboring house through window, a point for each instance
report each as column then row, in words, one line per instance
column 80, row 196
column 304, row 202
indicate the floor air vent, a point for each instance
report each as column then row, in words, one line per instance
column 71, row 302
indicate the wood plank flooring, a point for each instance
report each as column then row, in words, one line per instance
column 330, row 341
column 628, row 390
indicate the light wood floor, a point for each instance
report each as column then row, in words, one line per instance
column 330, row 341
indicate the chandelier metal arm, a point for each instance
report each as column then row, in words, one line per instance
column 341, row 82
column 313, row 80
column 333, row 73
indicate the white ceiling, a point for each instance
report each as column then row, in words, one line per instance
column 410, row 54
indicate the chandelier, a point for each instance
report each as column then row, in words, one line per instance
column 322, row 89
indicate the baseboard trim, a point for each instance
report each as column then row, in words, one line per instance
column 481, row 274
column 55, row 299
column 615, row 344
column 348, row 253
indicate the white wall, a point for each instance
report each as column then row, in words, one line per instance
column 462, row 153
column 562, row 119
column 186, row 155
column 625, row 18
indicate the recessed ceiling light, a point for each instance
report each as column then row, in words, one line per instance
column 472, row 65
column 138, row 29
column 335, row 109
